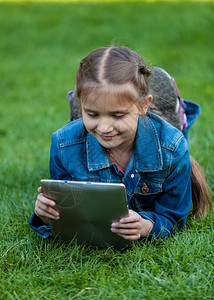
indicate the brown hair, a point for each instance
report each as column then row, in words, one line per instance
column 112, row 67
column 201, row 199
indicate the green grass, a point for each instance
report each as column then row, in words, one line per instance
column 41, row 45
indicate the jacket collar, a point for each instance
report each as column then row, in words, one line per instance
column 96, row 156
column 147, row 155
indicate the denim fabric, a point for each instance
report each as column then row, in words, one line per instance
column 192, row 111
column 157, row 178
column 39, row 227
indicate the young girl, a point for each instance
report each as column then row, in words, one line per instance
column 118, row 140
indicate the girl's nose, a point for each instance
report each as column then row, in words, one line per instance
column 105, row 125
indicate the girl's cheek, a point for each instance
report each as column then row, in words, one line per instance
column 91, row 125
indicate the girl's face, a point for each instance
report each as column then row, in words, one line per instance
column 112, row 123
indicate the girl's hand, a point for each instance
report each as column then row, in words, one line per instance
column 132, row 227
column 44, row 207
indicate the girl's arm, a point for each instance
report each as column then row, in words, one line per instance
column 44, row 207
column 170, row 209
column 174, row 202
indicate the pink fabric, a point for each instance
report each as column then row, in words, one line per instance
column 121, row 171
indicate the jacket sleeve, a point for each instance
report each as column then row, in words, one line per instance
column 57, row 169
column 58, row 172
column 39, row 226
column 173, row 205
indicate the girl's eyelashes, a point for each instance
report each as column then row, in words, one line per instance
column 118, row 116
column 92, row 115
column 95, row 115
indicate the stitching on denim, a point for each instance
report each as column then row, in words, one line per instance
column 88, row 153
column 96, row 166
column 129, row 194
column 109, row 173
column 167, row 146
column 148, row 179
column 134, row 191
column 178, row 141
column 73, row 142
column 170, row 164
column 61, row 152
column 155, row 138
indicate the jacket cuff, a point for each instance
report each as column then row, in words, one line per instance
column 147, row 215
column 39, row 226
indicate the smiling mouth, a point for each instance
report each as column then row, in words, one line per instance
column 107, row 137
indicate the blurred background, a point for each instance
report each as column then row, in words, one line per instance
column 41, row 45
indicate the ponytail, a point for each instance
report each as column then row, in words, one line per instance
column 201, row 199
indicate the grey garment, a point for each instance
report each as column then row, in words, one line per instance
column 76, row 111
column 164, row 101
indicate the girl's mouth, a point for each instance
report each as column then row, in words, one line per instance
column 107, row 137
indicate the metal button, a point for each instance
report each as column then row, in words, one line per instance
column 132, row 175
column 145, row 188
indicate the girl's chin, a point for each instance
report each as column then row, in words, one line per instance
column 107, row 143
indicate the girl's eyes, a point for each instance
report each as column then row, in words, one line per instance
column 117, row 116
column 92, row 115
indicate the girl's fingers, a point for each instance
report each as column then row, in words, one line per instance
column 127, row 233
column 133, row 231
column 119, row 225
column 40, row 189
column 44, row 208
column 45, row 200
column 130, row 237
column 132, row 218
column 129, row 228
column 47, row 209
column 43, row 214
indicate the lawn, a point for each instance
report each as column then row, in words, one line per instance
column 41, row 45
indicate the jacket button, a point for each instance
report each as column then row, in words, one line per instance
column 145, row 188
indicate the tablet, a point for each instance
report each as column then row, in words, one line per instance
column 87, row 210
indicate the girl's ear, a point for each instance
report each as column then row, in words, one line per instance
column 145, row 104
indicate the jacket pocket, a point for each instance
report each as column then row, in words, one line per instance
column 145, row 195
column 147, row 187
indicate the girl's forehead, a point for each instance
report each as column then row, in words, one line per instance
column 108, row 102
column 115, row 98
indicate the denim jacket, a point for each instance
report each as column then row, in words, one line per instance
column 157, row 178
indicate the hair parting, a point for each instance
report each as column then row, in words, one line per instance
column 112, row 66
